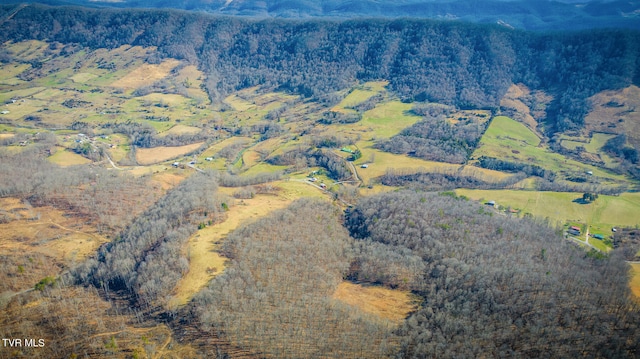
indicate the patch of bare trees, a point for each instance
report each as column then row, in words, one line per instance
column 497, row 286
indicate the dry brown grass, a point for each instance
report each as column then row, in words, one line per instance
column 48, row 231
column 634, row 283
column 204, row 260
column 168, row 180
column 615, row 119
column 148, row 156
column 146, row 75
column 181, row 130
column 394, row 305
column 512, row 99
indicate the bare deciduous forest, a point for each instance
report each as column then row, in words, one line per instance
column 283, row 187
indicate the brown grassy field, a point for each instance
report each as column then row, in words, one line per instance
column 168, row 180
column 614, row 112
column 180, row 130
column 39, row 242
column 148, row 156
column 513, row 100
column 394, row 305
column 146, row 74
column 635, row 280
column 47, row 230
column 204, row 260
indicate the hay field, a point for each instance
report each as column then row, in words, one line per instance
column 146, row 74
column 148, row 156
column 390, row 304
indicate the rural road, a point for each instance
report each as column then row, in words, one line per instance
column 195, row 168
column 112, row 164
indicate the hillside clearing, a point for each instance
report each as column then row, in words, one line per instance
column 510, row 140
column 202, row 246
column 146, row 74
column 148, row 156
column 64, row 157
column 394, row 305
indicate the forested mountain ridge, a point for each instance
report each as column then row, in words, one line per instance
column 449, row 62
column 522, row 14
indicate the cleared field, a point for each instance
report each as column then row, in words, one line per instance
column 394, row 305
column 180, row 130
column 513, row 99
column 146, row 74
column 634, row 284
column 168, row 180
column 83, row 77
column 379, row 162
column 8, row 73
column 121, row 147
column 389, row 118
column 615, row 112
column 592, row 146
column 147, row 156
column 5, row 96
column 356, row 97
column 510, row 140
column 263, row 168
column 559, row 207
column 48, row 231
column 64, row 158
column 202, row 246
column 239, row 104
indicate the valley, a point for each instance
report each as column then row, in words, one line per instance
column 255, row 212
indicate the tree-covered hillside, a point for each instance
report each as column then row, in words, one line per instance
column 449, row 62
column 495, row 286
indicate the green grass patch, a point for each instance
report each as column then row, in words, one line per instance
column 263, row 168
column 389, row 118
column 510, row 140
column 560, row 207
column 65, row 158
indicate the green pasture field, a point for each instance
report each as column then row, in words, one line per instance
column 356, row 97
column 561, row 207
column 64, row 158
column 389, row 118
column 592, row 145
column 263, row 168
column 510, row 140
column 379, row 162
